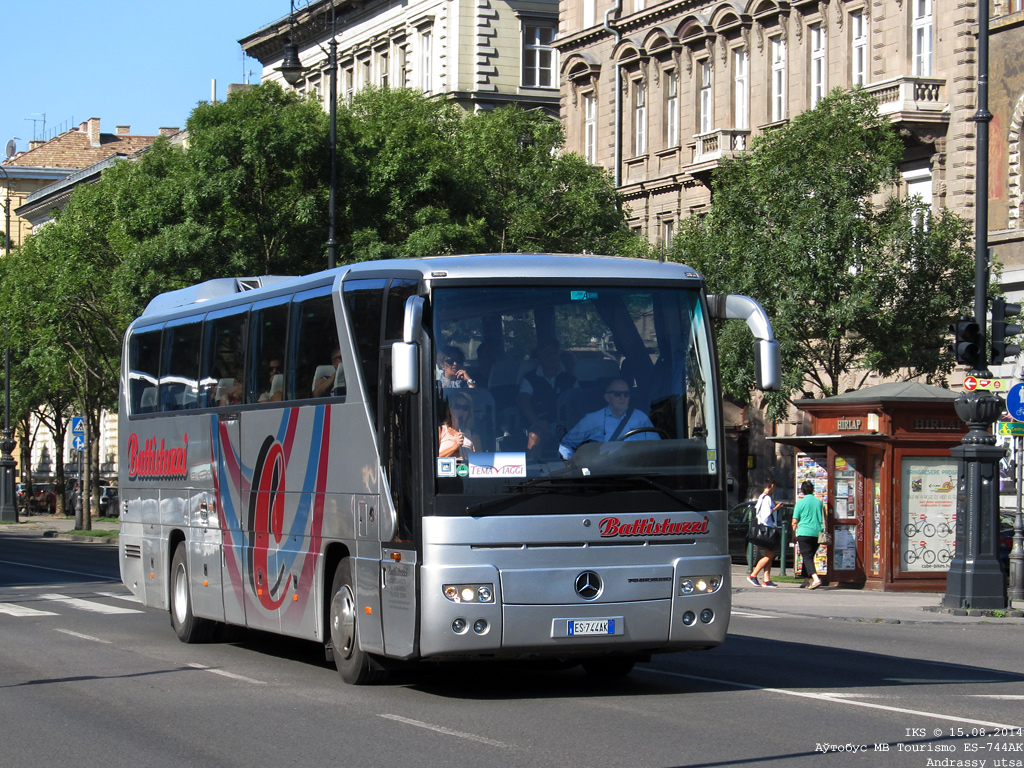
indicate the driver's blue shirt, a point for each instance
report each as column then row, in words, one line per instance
column 599, row 426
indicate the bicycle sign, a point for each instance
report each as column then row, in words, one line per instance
column 1015, row 402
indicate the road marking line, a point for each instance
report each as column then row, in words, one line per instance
column 59, row 570
column 88, row 605
column 20, row 610
column 80, row 636
column 753, row 615
column 831, row 698
column 121, row 596
column 445, row 731
column 1001, row 696
column 230, row 675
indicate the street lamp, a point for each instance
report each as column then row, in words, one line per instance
column 291, row 70
column 8, row 502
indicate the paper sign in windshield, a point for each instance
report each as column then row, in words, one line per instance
column 497, row 465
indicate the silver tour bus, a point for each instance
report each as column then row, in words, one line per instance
column 492, row 456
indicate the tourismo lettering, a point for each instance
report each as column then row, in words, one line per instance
column 611, row 526
column 156, row 461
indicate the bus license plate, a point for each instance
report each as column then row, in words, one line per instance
column 580, row 627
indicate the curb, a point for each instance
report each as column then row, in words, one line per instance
column 84, row 539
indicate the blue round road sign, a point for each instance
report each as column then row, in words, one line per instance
column 1015, row 402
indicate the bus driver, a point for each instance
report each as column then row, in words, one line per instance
column 608, row 423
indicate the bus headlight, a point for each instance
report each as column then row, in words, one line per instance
column 699, row 585
column 469, row 593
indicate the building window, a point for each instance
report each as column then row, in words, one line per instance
column 919, row 185
column 1015, row 6
column 350, row 87
column 858, row 48
column 638, row 5
column 426, row 59
column 383, row 71
column 707, row 104
column 778, row 81
column 740, row 88
column 819, row 64
column 922, row 32
column 538, row 55
column 671, row 109
column 589, row 13
column 640, row 120
column 668, row 229
column 590, row 128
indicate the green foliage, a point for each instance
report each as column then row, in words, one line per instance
column 851, row 284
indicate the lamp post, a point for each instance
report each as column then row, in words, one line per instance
column 291, row 70
column 975, row 579
column 8, row 500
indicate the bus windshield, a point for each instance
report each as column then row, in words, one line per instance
column 566, row 385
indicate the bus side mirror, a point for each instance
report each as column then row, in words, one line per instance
column 767, row 357
column 405, row 353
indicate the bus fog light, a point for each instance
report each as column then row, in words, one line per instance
column 699, row 585
column 459, row 626
column 469, row 593
column 707, row 615
column 688, row 618
column 480, row 626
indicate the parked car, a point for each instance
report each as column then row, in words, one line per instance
column 740, row 518
column 108, row 501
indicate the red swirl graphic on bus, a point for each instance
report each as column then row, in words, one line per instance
column 154, row 461
column 611, row 526
column 266, row 519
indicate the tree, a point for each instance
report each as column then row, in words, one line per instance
column 852, row 282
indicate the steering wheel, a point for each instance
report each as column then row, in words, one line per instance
column 661, row 432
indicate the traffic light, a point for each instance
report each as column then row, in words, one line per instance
column 1001, row 329
column 967, row 334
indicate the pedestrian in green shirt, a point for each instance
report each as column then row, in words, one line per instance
column 808, row 522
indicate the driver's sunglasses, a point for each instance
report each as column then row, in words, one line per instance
column 618, row 392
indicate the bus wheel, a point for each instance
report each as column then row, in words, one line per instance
column 609, row 666
column 354, row 664
column 190, row 629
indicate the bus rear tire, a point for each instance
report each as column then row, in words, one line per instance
column 355, row 665
column 188, row 627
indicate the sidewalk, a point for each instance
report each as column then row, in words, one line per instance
column 54, row 526
column 842, row 603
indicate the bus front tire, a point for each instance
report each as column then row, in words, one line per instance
column 189, row 628
column 355, row 665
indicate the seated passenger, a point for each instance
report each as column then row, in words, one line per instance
column 276, row 390
column 325, row 382
column 538, row 394
column 454, row 435
column 454, row 375
column 608, row 423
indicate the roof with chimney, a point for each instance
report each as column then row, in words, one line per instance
column 84, row 146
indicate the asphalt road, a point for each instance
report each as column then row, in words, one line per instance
column 90, row 678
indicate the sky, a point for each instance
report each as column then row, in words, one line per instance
column 141, row 63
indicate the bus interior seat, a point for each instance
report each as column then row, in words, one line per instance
column 147, row 402
column 322, row 372
column 224, row 388
column 277, row 384
column 483, row 416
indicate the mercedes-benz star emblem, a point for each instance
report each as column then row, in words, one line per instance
column 588, row 585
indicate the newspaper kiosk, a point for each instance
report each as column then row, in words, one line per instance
column 880, row 459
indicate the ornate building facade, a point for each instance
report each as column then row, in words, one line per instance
column 481, row 54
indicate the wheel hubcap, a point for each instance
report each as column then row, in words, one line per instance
column 180, row 594
column 343, row 622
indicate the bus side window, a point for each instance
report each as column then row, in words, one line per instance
column 143, row 371
column 318, row 369
column 268, row 337
column 364, row 300
column 179, row 385
column 223, row 356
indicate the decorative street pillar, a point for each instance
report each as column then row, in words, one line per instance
column 975, row 579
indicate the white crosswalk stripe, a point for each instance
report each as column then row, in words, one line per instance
column 21, row 610
column 126, row 596
column 88, row 605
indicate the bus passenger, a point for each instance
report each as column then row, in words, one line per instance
column 538, row 395
column 609, row 423
column 454, row 435
column 454, row 374
column 326, row 382
column 235, row 394
column 276, row 382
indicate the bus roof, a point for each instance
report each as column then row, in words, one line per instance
column 489, row 266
